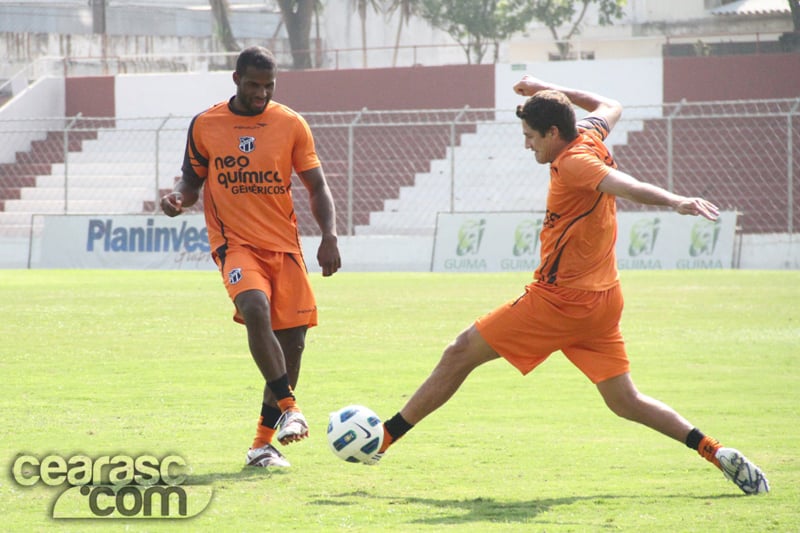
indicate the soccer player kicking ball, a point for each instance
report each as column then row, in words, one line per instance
column 241, row 153
column 575, row 302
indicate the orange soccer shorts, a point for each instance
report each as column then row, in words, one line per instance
column 283, row 277
column 584, row 325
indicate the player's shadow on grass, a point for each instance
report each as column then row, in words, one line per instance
column 487, row 509
column 247, row 473
column 469, row 510
column 483, row 509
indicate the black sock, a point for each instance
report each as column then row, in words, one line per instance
column 397, row 426
column 280, row 387
column 269, row 415
column 693, row 438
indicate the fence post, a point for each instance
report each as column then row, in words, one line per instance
column 453, row 157
column 158, row 162
column 790, row 166
column 66, row 160
column 670, row 177
column 350, row 171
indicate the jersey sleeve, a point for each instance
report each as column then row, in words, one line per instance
column 583, row 170
column 195, row 157
column 595, row 125
column 304, row 154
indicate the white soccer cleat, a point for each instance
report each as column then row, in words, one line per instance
column 741, row 471
column 266, row 456
column 293, row 427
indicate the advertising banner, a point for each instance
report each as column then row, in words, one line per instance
column 667, row 240
column 497, row 242
column 486, row 242
column 125, row 242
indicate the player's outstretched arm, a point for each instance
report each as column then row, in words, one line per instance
column 595, row 104
column 626, row 186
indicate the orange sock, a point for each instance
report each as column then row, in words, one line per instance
column 264, row 434
column 288, row 404
column 387, row 440
column 708, row 448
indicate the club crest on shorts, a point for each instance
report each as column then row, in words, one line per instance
column 235, row 276
column 247, row 144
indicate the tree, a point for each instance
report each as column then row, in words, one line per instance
column 98, row 16
column 557, row 13
column 405, row 9
column 361, row 7
column 222, row 25
column 297, row 16
column 791, row 40
column 477, row 24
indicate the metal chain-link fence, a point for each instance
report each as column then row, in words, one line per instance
column 390, row 172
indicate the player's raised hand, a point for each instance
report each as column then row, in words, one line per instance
column 172, row 204
column 528, row 86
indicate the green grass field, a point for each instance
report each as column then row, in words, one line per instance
column 107, row 362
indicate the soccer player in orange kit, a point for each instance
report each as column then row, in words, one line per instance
column 575, row 302
column 241, row 153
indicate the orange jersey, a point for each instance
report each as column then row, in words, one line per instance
column 580, row 227
column 245, row 163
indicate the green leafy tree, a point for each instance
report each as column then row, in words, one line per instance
column 478, row 24
column 790, row 40
column 566, row 16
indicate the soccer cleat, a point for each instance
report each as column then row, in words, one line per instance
column 741, row 471
column 293, row 427
column 265, row 456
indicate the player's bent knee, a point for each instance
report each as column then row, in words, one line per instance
column 468, row 350
column 625, row 406
column 253, row 305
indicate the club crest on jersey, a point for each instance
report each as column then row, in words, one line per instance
column 235, row 276
column 247, row 144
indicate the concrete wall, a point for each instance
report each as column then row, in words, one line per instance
column 152, row 95
column 92, row 96
column 742, row 77
column 634, row 82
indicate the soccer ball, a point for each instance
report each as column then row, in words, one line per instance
column 355, row 434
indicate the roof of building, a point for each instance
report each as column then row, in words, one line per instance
column 753, row 7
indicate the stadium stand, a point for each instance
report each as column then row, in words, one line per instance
column 740, row 162
column 387, row 156
column 492, row 172
column 19, row 177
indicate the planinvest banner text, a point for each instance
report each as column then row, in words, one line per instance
column 497, row 242
column 126, row 242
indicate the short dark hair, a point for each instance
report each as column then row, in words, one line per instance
column 255, row 56
column 549, row 108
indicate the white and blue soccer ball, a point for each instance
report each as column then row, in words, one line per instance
column 355, row 434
